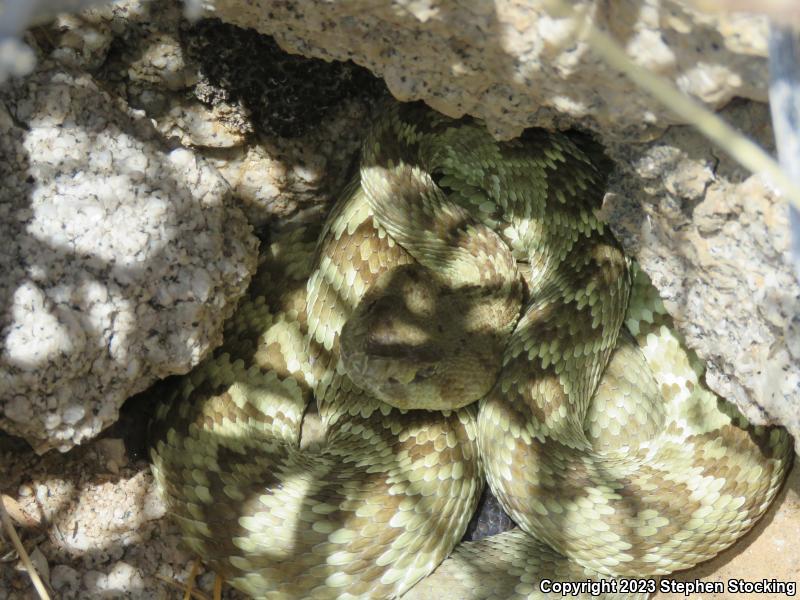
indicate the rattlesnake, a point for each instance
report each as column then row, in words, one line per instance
column 599, row 439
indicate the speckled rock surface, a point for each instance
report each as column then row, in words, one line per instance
column 120, row 257
column 77, row 339
column 94, row 522
column 300, row 121
column 293, row 180
column 282, row 130
column 715, row 241
column 515, row 66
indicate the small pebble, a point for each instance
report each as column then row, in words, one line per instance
column 124, row 578
column 95, row 581
column 63, row 577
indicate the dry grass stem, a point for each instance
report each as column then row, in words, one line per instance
column 37, row 582
column 747, row 153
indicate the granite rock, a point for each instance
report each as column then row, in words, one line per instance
column 715, row 241
column 515, row 65
column 121, row 257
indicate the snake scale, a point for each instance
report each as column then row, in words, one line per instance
column 462, row 316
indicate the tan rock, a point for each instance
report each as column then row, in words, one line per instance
column 514, row 65
column 715, row 241
column 120, row 260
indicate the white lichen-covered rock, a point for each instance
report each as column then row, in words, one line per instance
column 515, row 65
column 715, row 240
column 120, row 258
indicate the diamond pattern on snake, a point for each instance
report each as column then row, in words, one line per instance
column 461, row 317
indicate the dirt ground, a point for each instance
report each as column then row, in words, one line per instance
column 92, row 521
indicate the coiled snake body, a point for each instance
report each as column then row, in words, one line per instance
column 462, row 315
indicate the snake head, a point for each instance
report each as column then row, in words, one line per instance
column 414, row 343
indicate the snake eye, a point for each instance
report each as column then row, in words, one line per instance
column 423, row 374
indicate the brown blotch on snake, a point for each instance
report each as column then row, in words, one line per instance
column 416, row 276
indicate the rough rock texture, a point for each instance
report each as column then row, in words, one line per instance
column 77, row 337
column 300, row 121
column 233, row 97
column 120, row 258
column 92, row 521
column 17, row 58
column 514, row 65
column 715, row 241
column 293, row 179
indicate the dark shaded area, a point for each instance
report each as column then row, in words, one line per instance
column 284, row 94
column 489, row 519
column 134, row 416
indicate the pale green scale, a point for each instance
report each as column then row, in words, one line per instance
column 517, row 188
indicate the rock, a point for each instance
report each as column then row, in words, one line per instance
column 112, row 453
column 95, row 583
column 153, row 506
column 16, row 59
column 64, row 579
column 82, row 42
column 121, row 258
column 196, row 125
column 291, row 179
column 715, row 241
column 515, row 66
column 123, row 578
column 282, row 130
